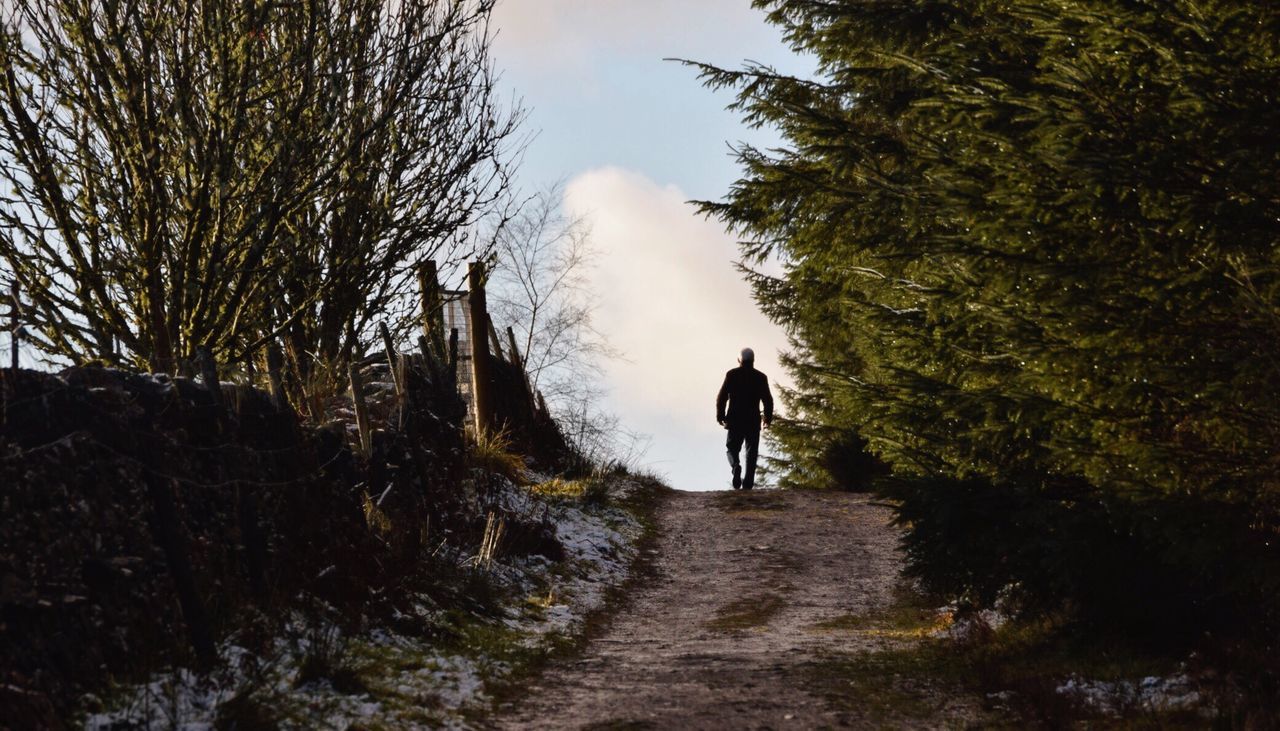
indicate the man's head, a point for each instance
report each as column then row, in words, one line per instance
column 747, row 357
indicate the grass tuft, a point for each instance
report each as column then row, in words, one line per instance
column 909, row 617
column 491, row 453
column 327, row 660
column 592, row 490
column 375, row 518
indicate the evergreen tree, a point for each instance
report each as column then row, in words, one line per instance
column 1030, row 254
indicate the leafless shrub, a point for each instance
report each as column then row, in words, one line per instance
column 223, row 172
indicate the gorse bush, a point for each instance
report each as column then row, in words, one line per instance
column 1030, row 255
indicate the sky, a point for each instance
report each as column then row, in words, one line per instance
column 634, row 138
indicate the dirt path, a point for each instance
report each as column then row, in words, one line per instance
column 723, row 632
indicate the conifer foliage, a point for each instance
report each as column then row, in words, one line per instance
column 1030, row 254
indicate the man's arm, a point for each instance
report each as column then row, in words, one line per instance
column 721, row 399
column 767, row 398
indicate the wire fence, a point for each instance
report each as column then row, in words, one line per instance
column 457, row 318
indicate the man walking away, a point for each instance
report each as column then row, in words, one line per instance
column 744, row 389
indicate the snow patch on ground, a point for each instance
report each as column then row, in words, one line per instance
column 407, row 682
column 1153, row 694
column 968, row 625
column 178, row 700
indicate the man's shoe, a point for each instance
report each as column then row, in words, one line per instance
column 737, row 477
column 747, row 486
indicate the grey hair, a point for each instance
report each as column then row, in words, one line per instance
column 747, row 356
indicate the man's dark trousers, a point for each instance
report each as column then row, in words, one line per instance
column 737, row 436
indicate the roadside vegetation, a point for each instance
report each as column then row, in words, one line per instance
column 171, row 562
column 280, row 199
column 242, row 176
column 1028, row 262
column 930, row 663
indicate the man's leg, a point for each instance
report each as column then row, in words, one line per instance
column 733, row 445
column 753, row 450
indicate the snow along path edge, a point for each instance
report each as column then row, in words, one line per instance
column 408, row 683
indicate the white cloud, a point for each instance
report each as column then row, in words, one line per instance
column 566, row 33
column 673, row 302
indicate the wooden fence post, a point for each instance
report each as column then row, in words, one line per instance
column 432, row 306
column 430, row 362
column 497, row 344
column 362, row 411
column 392, row 361
column 481, row 375
column 518, row 361
column 515, row 351
column 453, row 354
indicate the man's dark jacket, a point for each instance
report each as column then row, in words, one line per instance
column 744, row 389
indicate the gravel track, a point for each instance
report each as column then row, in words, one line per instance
column 720, row 632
